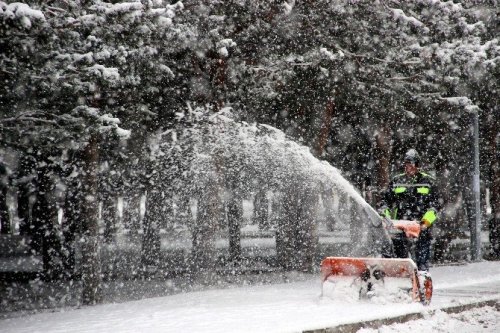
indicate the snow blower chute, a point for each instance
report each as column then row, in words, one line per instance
column 372, row 276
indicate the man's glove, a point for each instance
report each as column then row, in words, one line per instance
column 428, row 219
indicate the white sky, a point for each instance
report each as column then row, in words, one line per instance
column 287, row 307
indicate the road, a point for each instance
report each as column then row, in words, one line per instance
column 283, row 307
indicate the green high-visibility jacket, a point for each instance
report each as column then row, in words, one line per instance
column 410, row 198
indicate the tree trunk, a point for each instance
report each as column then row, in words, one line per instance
column 218, row 77
column 354, row 221
column 261, row 209
column 286, row 229
column 234, row 220
column 24, row 210
column 150, row 251
column 25, row 178
column 132, row 213
column 47, row 236
column 109, row 213
column 4, row 211
column 449, row 185
column 383, row 149
column 331, row 206
column 209, row 212
column 166, row 221
column 72, row 213
column 324, row 131
column 184, row 215
column 306, row 231
column 91, row 263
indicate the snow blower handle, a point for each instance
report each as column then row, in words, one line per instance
column 410, row 228
column 387, row 222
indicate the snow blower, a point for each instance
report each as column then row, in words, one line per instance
column 380, row 276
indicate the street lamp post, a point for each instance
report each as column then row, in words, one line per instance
column 475, row 225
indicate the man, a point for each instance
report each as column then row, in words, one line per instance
column 412, row 196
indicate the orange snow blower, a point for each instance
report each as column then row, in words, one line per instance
column 372, row 275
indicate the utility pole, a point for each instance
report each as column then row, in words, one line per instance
column 475, row 220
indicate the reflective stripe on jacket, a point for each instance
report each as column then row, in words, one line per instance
column 410, row 198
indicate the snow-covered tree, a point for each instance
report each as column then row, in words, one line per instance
column 134, row 97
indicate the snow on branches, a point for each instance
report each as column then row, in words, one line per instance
column 21, row 13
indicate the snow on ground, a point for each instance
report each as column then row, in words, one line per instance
column 287, row 307
column 484, row 319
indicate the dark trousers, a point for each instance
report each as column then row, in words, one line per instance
column 422, row 249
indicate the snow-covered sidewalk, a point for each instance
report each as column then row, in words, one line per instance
column 483, row 319
column 287, row 307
